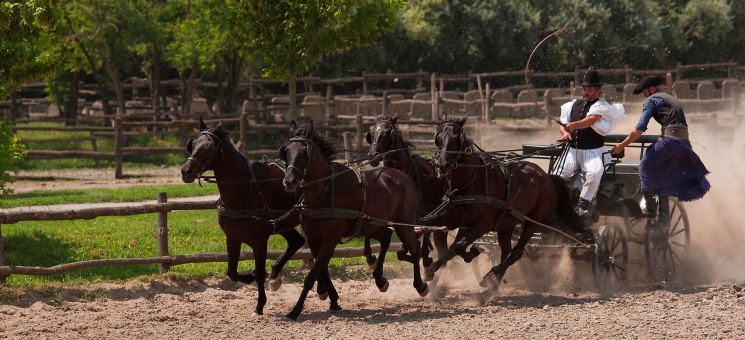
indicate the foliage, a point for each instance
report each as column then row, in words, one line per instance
column 292, row 36
column 24, row 27
column 11, row 153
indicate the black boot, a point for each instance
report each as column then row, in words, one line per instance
column 664, row 218
column 650, row 210
column 583, row 208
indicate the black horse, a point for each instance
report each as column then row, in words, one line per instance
column 388, row 144
column 490, row 195
column 251, row 195
column 341, row 202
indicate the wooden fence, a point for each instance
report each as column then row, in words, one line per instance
column 164, row 260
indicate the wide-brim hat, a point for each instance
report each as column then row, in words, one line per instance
column 648, row 81
column 592, row 78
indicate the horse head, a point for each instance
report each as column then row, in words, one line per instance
column 204, row 151
column 383, row 138
column 451, row 142
column 296, row 154
column 299, row 153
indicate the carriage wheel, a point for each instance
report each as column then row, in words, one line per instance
column 665, row 249
column 611, row 258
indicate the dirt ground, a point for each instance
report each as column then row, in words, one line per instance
column 553, row 298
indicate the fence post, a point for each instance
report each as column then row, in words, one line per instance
column 2, row 254
column 358, row 130
column 162, row 233
column 242, row 127
column 487, row 104
column 346, row 135
column 118, row 145
column 433, row 95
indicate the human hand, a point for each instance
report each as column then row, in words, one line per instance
column 616, row 150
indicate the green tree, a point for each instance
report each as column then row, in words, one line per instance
column 199, row 42
column 104, row 33
column 24, row 32
column 292, row 36
column 11, row 153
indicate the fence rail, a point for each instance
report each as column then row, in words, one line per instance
column 162, row 258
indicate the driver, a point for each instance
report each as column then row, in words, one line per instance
column 587, row 121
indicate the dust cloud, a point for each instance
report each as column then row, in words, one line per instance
column 716, row 221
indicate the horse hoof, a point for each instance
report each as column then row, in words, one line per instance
column 255, row 314
column 334, row 309
column 384, row 287
column 275, row 284
column 323, row 296
column 425, row 291
column 489, row 281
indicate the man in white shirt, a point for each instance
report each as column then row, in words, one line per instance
column 587, row 121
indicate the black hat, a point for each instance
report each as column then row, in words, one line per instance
column 648, row 81
column 592, row 78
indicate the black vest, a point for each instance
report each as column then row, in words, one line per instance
column 672, row 113
column 585, row 138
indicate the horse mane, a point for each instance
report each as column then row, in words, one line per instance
column 220, row 131
column 328, row 147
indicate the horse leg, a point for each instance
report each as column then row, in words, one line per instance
column 333, row 295
column 234, row 252
column 426, row 249
column 409, row 239
column 494, row 278
column 260, row 272
column 295, row 241
column 369, row 257
column 384, row 238
column 317, row 272
column 458, row 248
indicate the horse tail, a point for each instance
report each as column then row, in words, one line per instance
column 564, row 206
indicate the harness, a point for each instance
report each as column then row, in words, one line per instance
column 451, row 198
column 263, row 215
column 307, row 209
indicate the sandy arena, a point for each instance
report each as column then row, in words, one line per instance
column 546, row 299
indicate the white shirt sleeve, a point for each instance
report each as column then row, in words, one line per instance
column 566, row 111
column 609, row 112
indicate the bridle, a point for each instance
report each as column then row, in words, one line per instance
column 308, row 153
column 214, row 140
column 393, row 135
column 463, row 148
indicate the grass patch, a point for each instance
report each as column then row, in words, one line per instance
column 50, row 243
column 100, row 195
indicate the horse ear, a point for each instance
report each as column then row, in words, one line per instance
column 202, row 126
column 444, row 116
column 395, row 118
column 368, row 137
column 310, row 127
column 293, row 126
column 462, row 121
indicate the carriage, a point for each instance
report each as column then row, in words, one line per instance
column 617, row 220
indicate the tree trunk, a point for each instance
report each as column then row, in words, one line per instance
column 71, row 111
column 292, row 83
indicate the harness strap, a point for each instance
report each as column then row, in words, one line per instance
column 252, row 177
column 226, row 211
column 340, row 213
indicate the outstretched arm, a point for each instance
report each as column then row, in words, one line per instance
column 634, row 135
